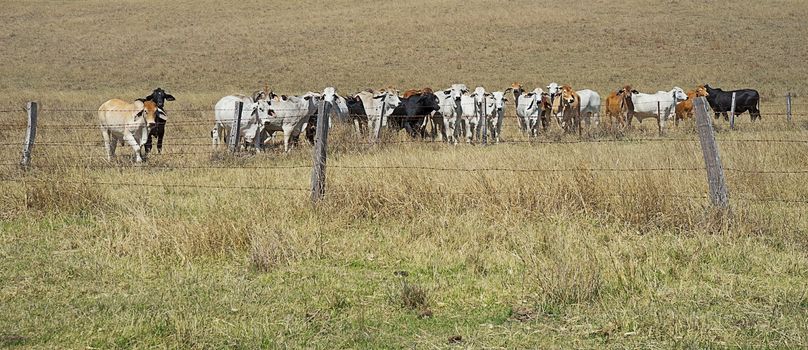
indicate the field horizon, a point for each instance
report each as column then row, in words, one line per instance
column 607, row 240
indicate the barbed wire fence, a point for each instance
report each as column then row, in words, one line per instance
column 320, row 188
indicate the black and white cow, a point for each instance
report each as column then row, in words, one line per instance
column 745, row 100
column 159, row 96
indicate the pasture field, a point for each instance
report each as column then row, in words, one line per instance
column 604, row 241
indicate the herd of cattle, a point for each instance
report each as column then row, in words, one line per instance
column 449, row 115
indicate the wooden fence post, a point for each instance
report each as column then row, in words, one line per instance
column 30, row 135
column 719, row 195
column 788, row 107
column 235, row 129
column 732, row 113
column 320, row 152
column 381, row 120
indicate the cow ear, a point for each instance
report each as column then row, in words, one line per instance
column 284, row 97
column 505, row 99
column 143, row 99
column 169, row 97
column 530, row 94
column 379, row 97
column 139, row 114
column 150, row 97
column 635, row 92
column 509, row 89
column 307, row 97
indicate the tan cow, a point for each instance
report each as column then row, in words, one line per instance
column 129, row 122
column 684, row 109
column 571, row 109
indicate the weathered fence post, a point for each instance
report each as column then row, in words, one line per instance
column 235, row 128
column 732, row 113
column 381, row 120
column 719, row 195
column 788, row 107
column 30, row 135
column 320, row 151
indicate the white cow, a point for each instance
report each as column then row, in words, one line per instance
column 529, row 108
column 660, row 105
column 289, row 115
column 497, row 114
column 451, row 110
column 252, row 113
column 472, row 107
column 590, row 105
column 126, row 121
column 339, row 107
column 376, row 101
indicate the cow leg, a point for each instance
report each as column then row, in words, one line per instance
column 469, row 130
column 161, row 130
column 148, row 145
column 130, row 139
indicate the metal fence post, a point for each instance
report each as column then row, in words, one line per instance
column 235, row 128
column 719, row 195
column 30, row 135
column 320, row 153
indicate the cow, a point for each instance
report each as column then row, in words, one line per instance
column 129, row 122
column 377, row 102
column 531, row 109
column 570, row 109
column 339, row 108
column 290, row 114
column 554, row 107
column 415, row 107
column 252, row 115
column 745, row 100
column 472, row 107
column 497, row 114
column 618, row 104
column 660, row 105
column 684, row 109
column 159, row 96
column 516, row 87
column 590, row 106
column 451, row 110
column 356, row 113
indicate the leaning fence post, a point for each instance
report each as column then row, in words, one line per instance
column 659, row 114
column 719, row 195
column 30, row 135
column 320, row 151
column 235, row 128
column 788, row 107
column 732, row 113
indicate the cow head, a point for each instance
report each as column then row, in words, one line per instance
column 701, row 91
column 389, row 97
column 261, row 109
column 330, row 95
column 553, row 90
column 679, row 94
column 568, row 95
column 499, row 99
column 149, row 113
column 479, row 94
column 159, row 96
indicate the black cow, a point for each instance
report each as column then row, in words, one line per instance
column 412, row 111
column 357, row 115
column 159, row 96
column 745, row 100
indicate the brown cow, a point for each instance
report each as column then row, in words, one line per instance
column 684, row 109
column 571, row 109
column 618, row 104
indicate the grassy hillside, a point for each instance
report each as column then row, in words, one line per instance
column 550, row 243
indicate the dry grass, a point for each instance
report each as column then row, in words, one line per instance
column 201, row 249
